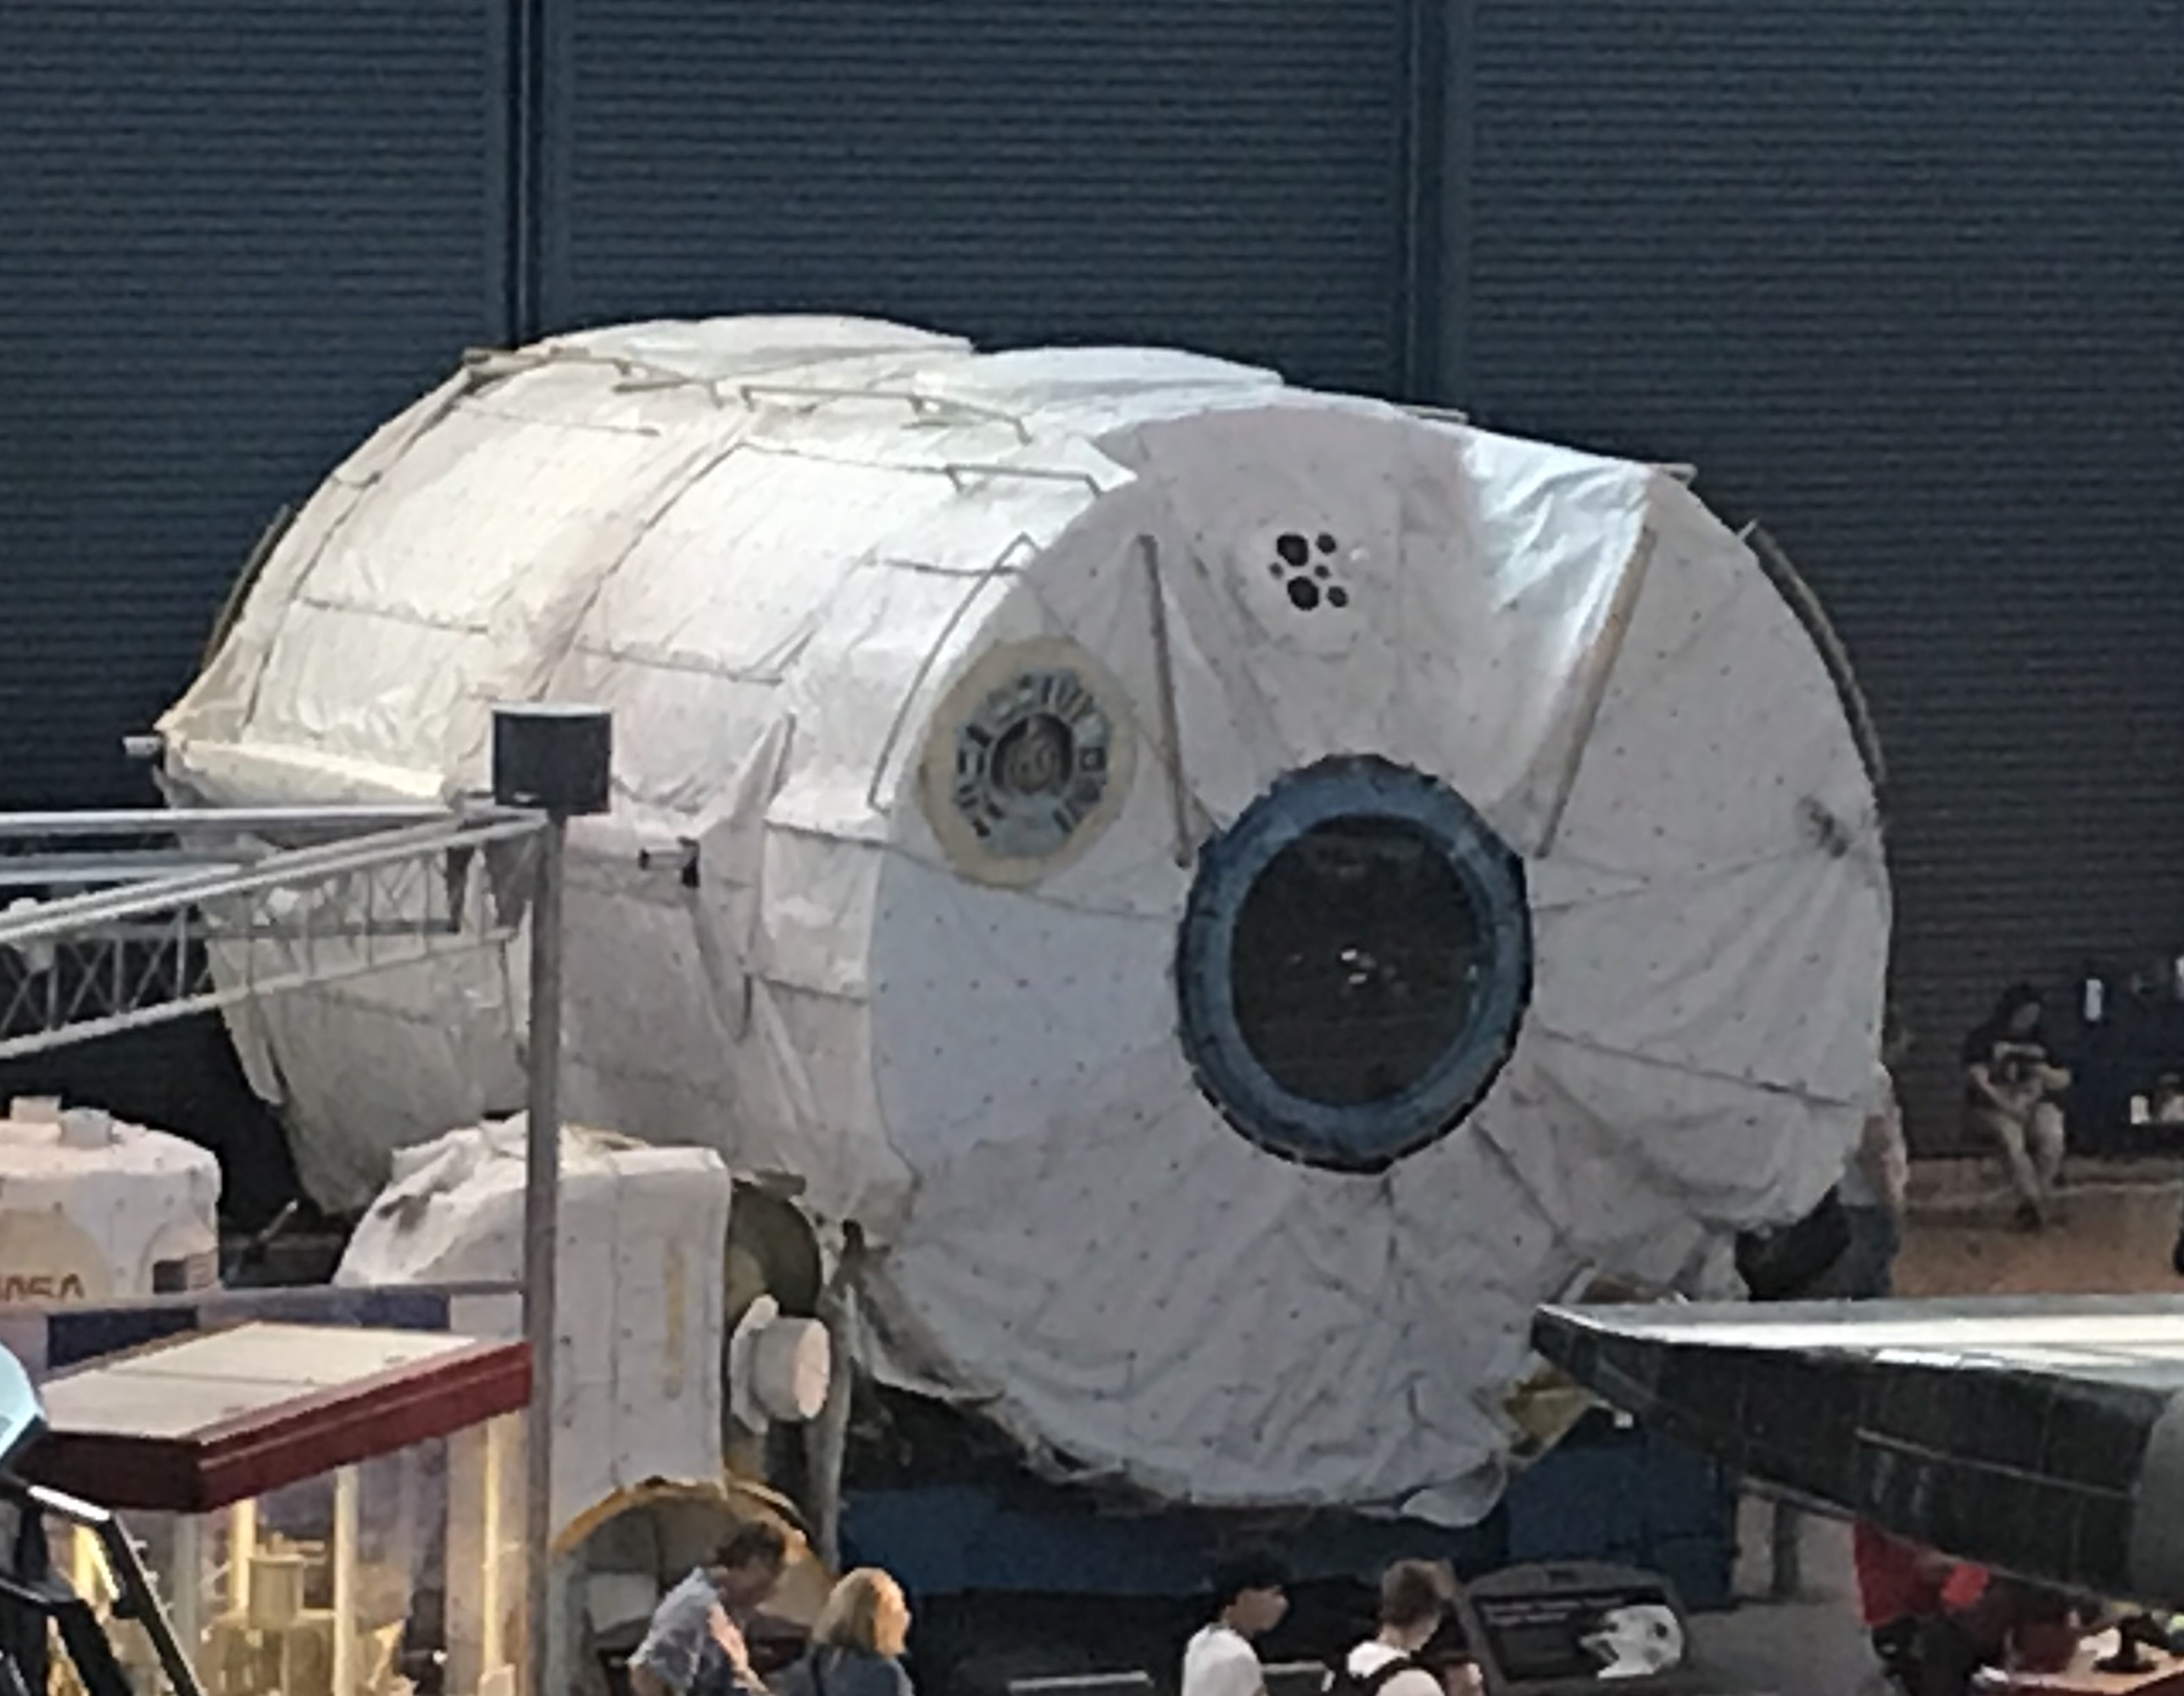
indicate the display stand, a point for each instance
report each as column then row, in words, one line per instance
column 326, row 1511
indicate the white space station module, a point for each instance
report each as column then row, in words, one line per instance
column 1240, row 893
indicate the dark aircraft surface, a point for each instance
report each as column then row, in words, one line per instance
column 2044, row 1436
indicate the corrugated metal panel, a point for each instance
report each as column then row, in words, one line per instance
column 234, row 234
column 1902, row 281
column 1225, row 175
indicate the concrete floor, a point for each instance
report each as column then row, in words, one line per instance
column 2115, row 1229
column 1813, row 1646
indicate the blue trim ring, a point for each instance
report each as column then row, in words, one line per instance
column 1369, row 1136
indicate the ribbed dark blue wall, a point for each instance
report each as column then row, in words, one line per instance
column 1225, row 175
column 1902, row 281
column 234, row 235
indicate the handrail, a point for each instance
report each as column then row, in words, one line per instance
column 135, row 1599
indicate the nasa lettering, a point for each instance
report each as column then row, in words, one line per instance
column 39, row 1287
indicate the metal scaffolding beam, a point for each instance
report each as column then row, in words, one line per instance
column 205, row 910
column 183, row 911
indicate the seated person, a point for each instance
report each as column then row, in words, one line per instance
column 2009, row 1623
column 1900, row 1587
column 2010, row 1085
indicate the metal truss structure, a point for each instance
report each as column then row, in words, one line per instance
column 113, row 921
column 122, row 920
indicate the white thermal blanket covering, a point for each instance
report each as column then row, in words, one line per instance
column 799, row 559
column 643, row 1233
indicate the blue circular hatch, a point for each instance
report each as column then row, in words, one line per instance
column 1355, row 958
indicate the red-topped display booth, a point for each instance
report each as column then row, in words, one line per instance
column 324, row 1511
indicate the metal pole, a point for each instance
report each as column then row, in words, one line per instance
column 555, row 760
column 542, row 1207
column 1786, row 1566
column 826, row 1440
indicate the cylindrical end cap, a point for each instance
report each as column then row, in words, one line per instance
column 553, row 755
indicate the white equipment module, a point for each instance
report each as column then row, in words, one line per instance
column 638, row 1385
column 93, row 1210
column 1240, row 893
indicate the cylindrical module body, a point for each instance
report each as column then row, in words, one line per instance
column 1238, row 892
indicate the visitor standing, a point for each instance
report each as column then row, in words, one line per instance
column 1876, row 1184
column 1250, row 1595
column 1416, row 1597
column 695, row 1645
column 857, row 1641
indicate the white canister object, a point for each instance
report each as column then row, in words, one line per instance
column 643, row 1242
column 93, row 1208
column 779, row 1367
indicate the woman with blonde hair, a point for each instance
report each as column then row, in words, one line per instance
column 857, row 1641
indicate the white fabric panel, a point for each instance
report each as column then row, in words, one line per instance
column 785, row 552
column 642, row 1245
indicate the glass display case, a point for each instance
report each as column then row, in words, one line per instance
column 324, row 1510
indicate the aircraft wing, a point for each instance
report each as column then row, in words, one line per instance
column 2041, row 1436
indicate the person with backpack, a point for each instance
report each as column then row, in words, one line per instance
column 1416, row 1597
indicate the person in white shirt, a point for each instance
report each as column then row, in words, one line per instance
column 1250, row 1597
column 1875, row 1185
column 695, row 1645
column 1416, row 1597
